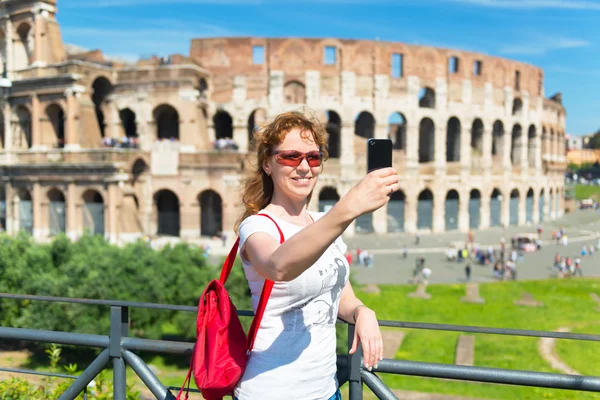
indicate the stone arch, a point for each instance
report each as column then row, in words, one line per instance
column 93, row 212
column 22, row 128
column 541, row 205
column 2, row 134
column 514, row 207
column 529, row 206
column 202, row 88
column 425, row 210
column 426, row 141
column 531, row 145
column 25, row 210
column 328, row 196
column 496, row 208
column 515, row 148
column 334, row 131
column 3, row 60
column 23, row 48
column 166, row 119
column 166, row 205
column 453, row 140
column 452, row 206
column 101, row 88
column 477, row 137
column 256, row 119
column 397, row 130
column 474, row 209
column 294, row 92
column 364, row 125
column 223, row 125
column 56, row 115
column 129, row 123
column 211, row 213
column 517, row 108
column 57, row 220
column 498, row 139
column 139, row 168
column 395, row 212
column 427, row 98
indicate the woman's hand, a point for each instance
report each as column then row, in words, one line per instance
column 368, row 333
column 373, row 191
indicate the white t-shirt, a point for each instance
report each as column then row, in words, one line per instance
column 294, row 355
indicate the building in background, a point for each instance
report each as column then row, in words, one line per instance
column 159, row 148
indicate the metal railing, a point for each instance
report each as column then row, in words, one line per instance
column 119, row 349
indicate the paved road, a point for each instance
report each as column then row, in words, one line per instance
column 582, row 227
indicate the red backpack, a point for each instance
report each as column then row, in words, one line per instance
column 221, row 351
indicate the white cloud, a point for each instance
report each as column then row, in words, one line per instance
column 540, row 45
column 533, row 4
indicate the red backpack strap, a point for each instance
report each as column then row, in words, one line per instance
column 264, row 297
column 266, row 292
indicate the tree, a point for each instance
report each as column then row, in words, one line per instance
column 594, row 142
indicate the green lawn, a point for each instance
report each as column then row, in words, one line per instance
column 566, row 303
column 583, row 192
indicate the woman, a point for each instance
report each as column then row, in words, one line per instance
column 294, row 350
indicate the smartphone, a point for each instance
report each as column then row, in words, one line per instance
column 379, row 154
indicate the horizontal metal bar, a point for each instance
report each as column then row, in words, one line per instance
column 32, row 372
column 158, row 346
column 490, row 375
column 493, row 331
column 120, row 303
column 35, row 335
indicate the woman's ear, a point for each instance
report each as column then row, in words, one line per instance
column 267, row 169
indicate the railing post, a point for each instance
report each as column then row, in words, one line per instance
column 354, row 366
column 119, row 328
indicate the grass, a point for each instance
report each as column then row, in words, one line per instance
column 583, row 192
column 566, row 303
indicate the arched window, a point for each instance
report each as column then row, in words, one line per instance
column 93, row 213
column 334, row 132
column 475, row 209
column 294, row 92
column 211, row 213
column 452, row 206
column 531, row 145
column 56, row 212
column 425, row 210
column 427, row 98
column 496, row 208
column 327, row 198
column 128, row 122
column 397, row 130
column 101, row 89
column 498, row 140
column 223, row 125
column 477, row 138
column 167, row 122
column 166, row 205
column 426, row 141
column 56, row 116
column 515, row 152
column 514, row 207
column 365, row 125
column 453, row 140
column 395, row 212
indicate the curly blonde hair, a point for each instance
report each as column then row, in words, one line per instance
column 258, row 189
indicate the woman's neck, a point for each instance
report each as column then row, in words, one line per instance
column 289, row 209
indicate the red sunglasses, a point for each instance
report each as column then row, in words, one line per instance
column 293, row 158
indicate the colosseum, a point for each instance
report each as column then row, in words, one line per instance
column 159, row 147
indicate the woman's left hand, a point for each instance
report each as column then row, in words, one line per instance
column 368, row 333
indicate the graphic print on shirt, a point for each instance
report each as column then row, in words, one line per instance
column 322, row 308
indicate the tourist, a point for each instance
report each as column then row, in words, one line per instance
column 583, row 251
column 418, row 238
column 468, row 272
column 426, row 273
column 591, row 250
column 295, row 344
column 405, row 252
column 565, row 239
column 539, row 230
column 577, row 269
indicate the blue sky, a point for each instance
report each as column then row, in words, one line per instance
column 561, row 36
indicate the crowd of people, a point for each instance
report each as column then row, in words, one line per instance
column 225, row 144
column 124, row 142
column 363, row 258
